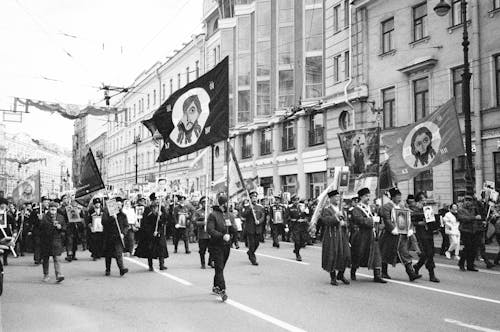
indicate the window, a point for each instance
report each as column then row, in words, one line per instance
column 387, row 32
column 456, row 13
column 142, row 104
column 289, row 184
column 347, row 18
column 336, row 18
column 244, row 68
column 187, row 75
column 163, row 92
column 496, row 160
column 496, row 4
column 347, row 65
column 459, row 177
column 314, row 76
column 263, row 98
column 197, row 64
column 148, row 100
column 421, row 97
column 317, row 183
column 263, row 58
column 265, row 141
column 389, row 107
column 285, row 45
column 246, row 146
column 316, row 129
column 244, row 36
column 457, row 87
column 214, row 57
column 424, row 182
column 286, row 89
column 286, row 11
column 178, row 81
column 497, row 78
column 154, row 97
column 288, row 139
column 314, row 29
column 171, row 86
column 420, row 21
column 134, row 111
column 336, row 76
column 263, row 19
column 244, row 106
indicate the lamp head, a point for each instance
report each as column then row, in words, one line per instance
column 442, row 8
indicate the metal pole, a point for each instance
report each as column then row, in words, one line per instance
column 213, row 163
column 136, row 142
column 466, row 76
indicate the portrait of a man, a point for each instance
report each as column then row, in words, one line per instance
column 421, row 147
column 188, row 125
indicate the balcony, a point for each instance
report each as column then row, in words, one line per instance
column 317, row 136
column 265, row 147
column 246, row 152
column 287, row 143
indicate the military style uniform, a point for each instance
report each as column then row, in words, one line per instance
column 300, row 226
column 253, row 229
column 182, row 216
column 277, row 214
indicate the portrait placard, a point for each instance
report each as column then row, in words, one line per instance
column 96, row 224
column 73, row 214
column 139, row 211
column 181, row 219
column 3, row 219
column 112, row 206
column 401, row 218
column 278, row 217
column 429, row 214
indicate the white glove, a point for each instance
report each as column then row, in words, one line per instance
column 177, row 226
column 394, row 231
column 226, row 237
column 122, row 236
column 155, row 234
column 410, row 232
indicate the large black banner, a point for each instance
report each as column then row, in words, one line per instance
column 195, row 116
column 90, row 178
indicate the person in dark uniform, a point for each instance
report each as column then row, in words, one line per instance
column 114, row 228
column 152, row 237
column 394, row 246
column 335, row 254
column 10, row 229
column 220, row 227
column 52, row 229
column 203, row 237
column 36, row 217
column 299, row 214
column 277, row 215
column 94, row 225
column 365, row 230
column 182, row 216
column 75, row 230
column 425, row 238
column 252, row 229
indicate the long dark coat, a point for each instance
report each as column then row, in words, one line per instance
column 51, row 238
column 388, row 241
column 113, row 246
column 96, row 239
column 336, row 253
column 150, row 246
column 364, row 245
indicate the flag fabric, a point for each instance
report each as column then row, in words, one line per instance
column 69, row 111
column 424, row 144
column 195, row 116
column 90, row 178
column 361, row 151
column 197, row 162
column 28, row 190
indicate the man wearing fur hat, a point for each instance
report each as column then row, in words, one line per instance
column 114, row 228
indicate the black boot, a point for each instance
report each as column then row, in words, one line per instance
column 340, row 276
column 202, row 260
column 432, row 276
column 333, row 280
column 411, row 273
column 162, row 264
column 377, row 276
column 353, row 274
column 150, row 264
column 385, row 275
column 416, row 268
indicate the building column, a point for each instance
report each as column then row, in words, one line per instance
column 301, row 139
column 276, row 143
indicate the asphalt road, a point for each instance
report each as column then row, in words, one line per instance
column 278, row 295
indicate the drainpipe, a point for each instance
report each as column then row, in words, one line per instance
column 346, row 87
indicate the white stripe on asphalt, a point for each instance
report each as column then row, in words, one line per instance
column 274, row 257
column 263, row 316
column 485, row 299
column 165, row 274
column 470, row 326
column 456, row 268
column 233, row 303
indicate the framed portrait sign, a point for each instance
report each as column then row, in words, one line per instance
column 3, row 219
column 429, row 214
column 237, row 221
column 278, row 217
column 139, row 211
column 112, row 206
column 401, row 218
column 73, row 214
column 96, row 224
column 182, row 219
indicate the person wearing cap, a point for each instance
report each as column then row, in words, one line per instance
column 220, row 227
column 36, row 217
column 203, row 237
column 182, row 216
column 298, row 214
column 394, row 246
column 52, row 235
column 24, row 227
column 365, row 230
column 94, row 225
column 152, row 237
column 75, row 231
column 133, row 227
column 278, row 211
column 253, row 214
column 335, row 254
column 469, row 216
column 10, row 223
column 114, row 228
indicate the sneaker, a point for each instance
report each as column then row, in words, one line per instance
column 60, row 278
column 447, row 254
column 46, row 278
column 223, row 295
column 216, row 290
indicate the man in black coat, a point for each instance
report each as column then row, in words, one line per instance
column 113, row 229
column 36, row 217
column 10, row 226
column 52, row 234
column 203, row 237
column 220, row 227
column 252, row 225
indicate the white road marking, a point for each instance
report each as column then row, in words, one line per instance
column 165, row 274
column 263, row 316
column 470, row 326
column 485, row 299
column 274, row 257
column 456, row 268
column 232, row 303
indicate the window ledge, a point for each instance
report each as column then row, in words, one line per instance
column 493, row 12
column 424, row 40
column 458, row 26
column 390, row 53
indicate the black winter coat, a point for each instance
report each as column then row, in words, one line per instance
column 51, row 237
column 217, row 227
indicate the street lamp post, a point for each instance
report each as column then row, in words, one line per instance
column 441, row 9
column 137, row 140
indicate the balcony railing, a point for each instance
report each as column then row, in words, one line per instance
column 316, row 136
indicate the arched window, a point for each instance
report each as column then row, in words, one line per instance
column 216, row 25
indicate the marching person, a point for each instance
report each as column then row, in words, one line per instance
column 393, row 245
column 425, row 238
column 52, row 234
column 252, row 223
column 220, row 227
column 470, row 231
column 182, row 216
column 10, row 229
column 203, row 237
column 133, row 227
column 335, row 255
column 452, row 231
column 299, row 214
column 277, row 221
column 75, row 230
column 94, row 224
column 152, row 237
column 365, row 230
column 36, row 218
column 114, row 228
